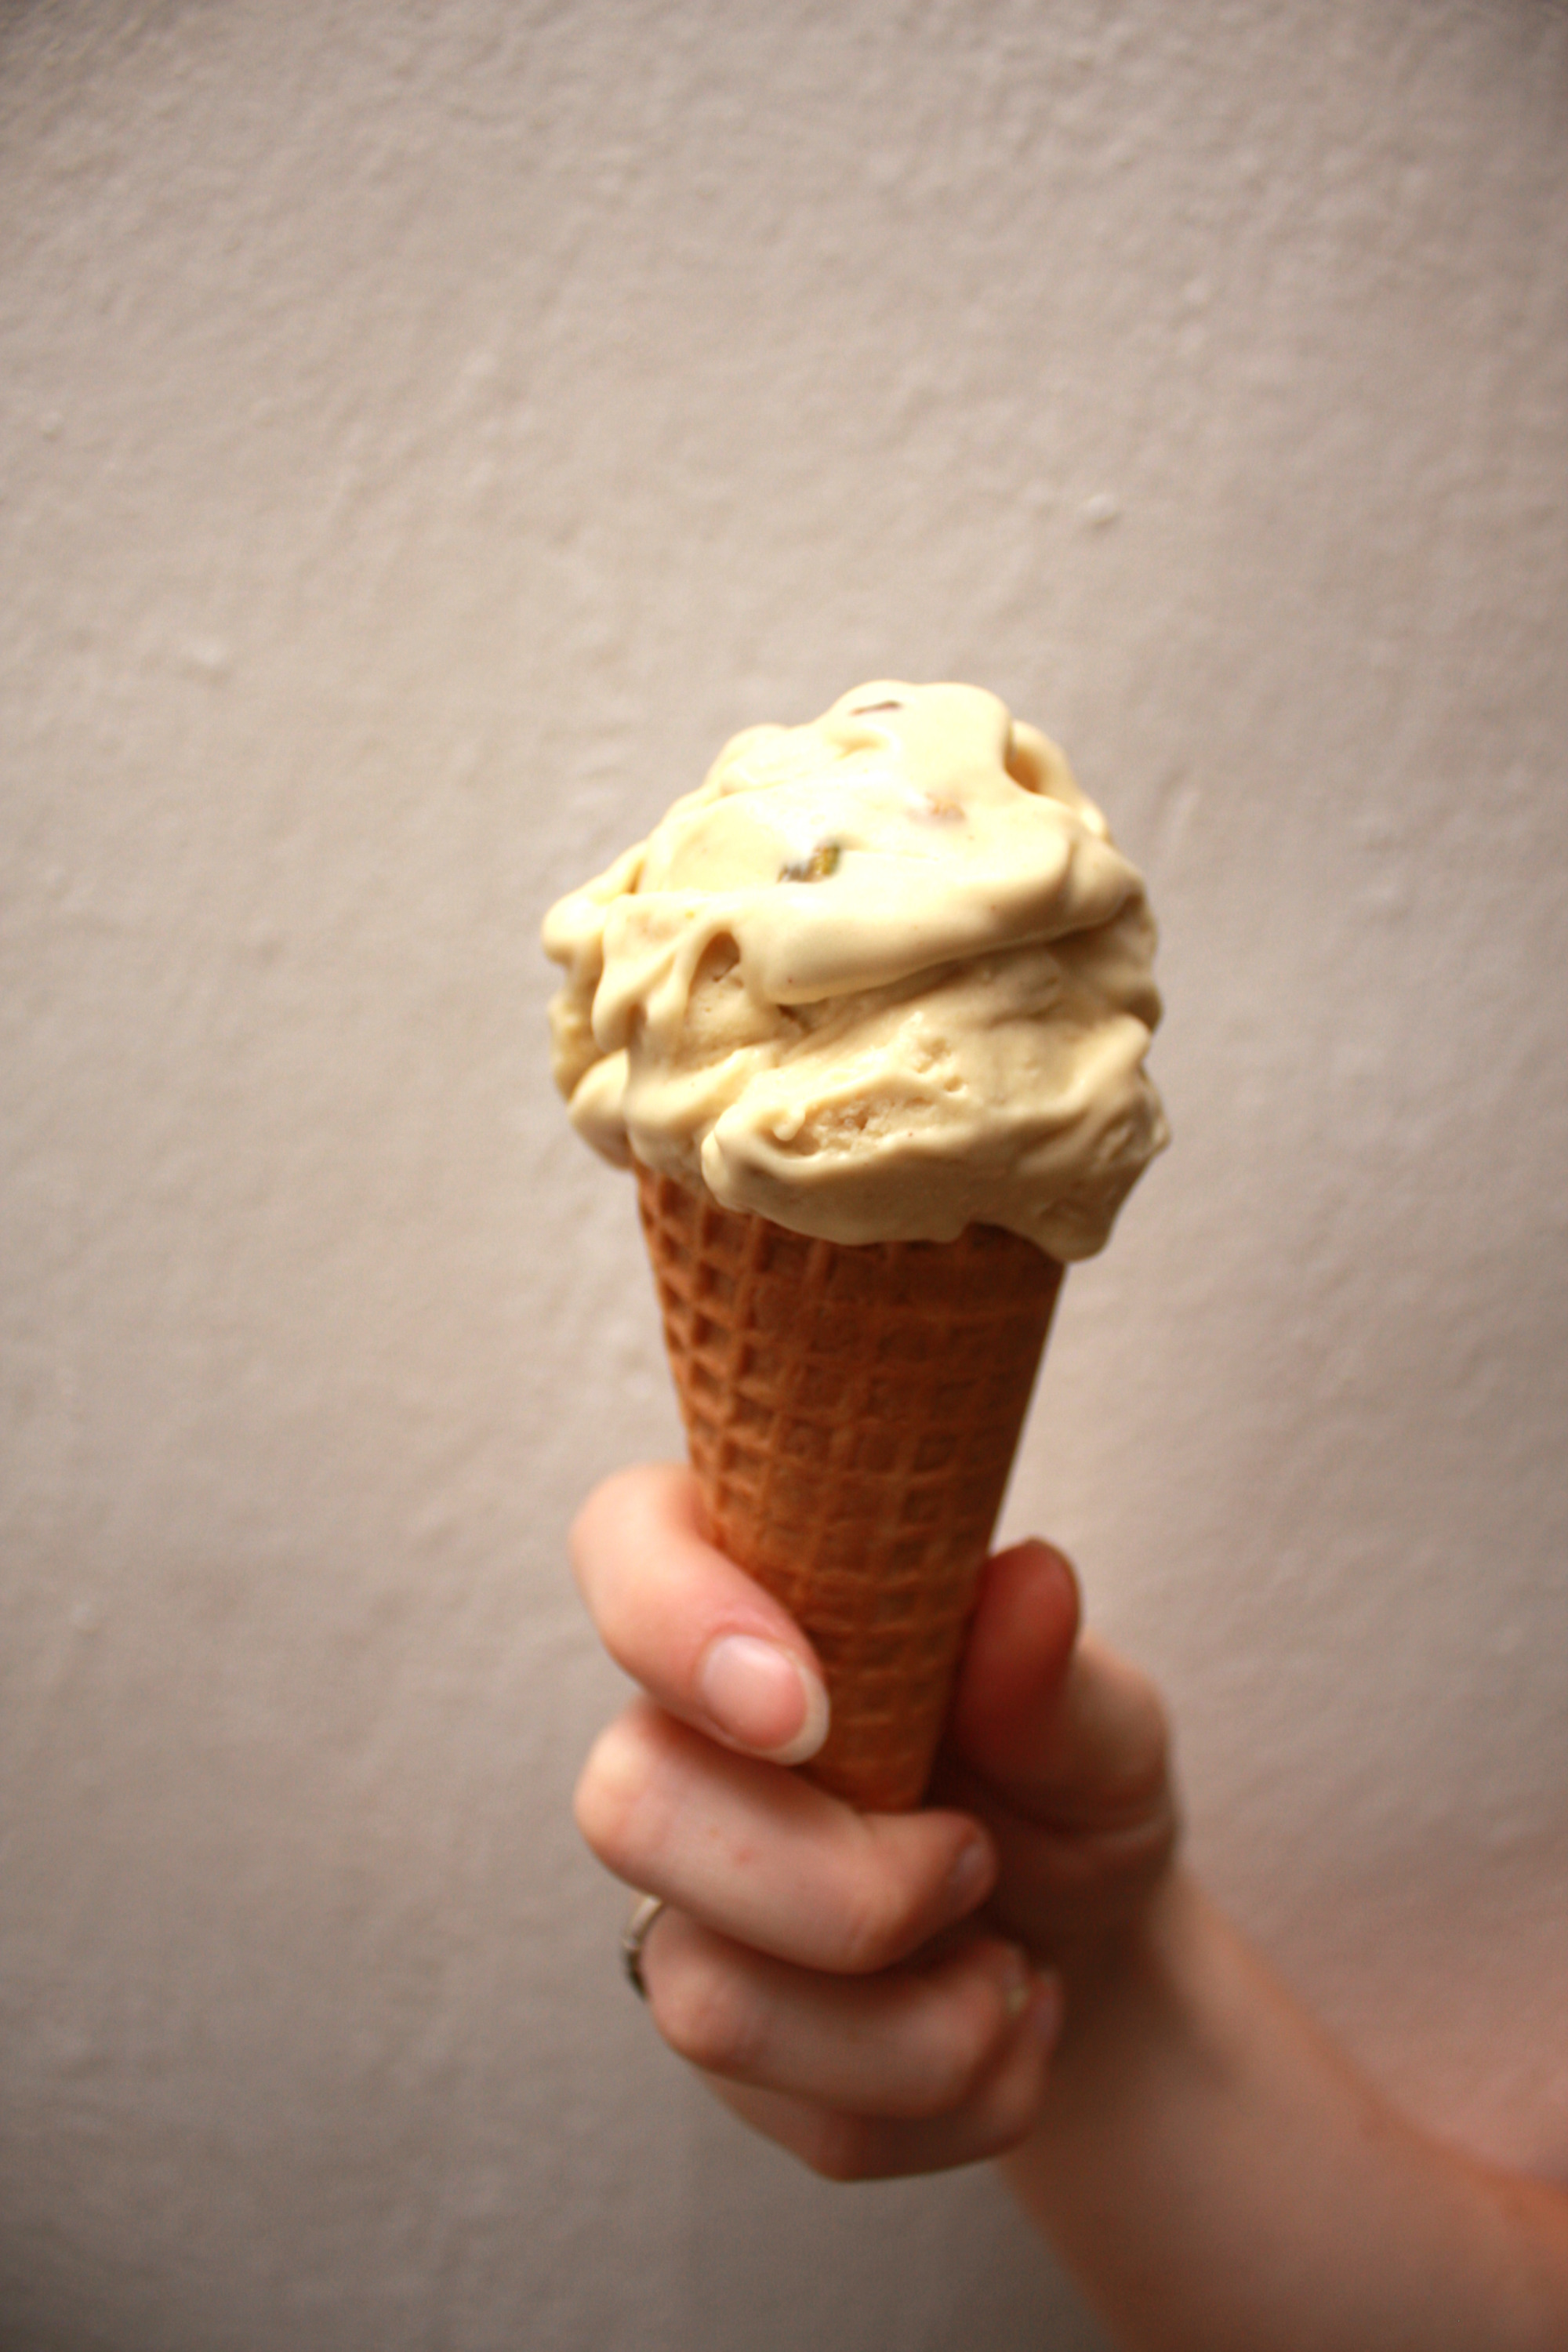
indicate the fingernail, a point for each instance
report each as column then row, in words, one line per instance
column 763, row 1699
column 970, row 1877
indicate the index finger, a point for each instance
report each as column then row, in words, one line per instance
column 703, row 1641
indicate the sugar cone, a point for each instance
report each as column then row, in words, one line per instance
column 851, row 1414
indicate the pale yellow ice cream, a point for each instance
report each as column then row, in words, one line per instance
column 882, row 978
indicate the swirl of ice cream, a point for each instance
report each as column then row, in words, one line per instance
column 881, row 978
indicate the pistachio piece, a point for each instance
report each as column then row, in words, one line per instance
column 822, row 862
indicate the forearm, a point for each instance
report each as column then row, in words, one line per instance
column 1219, row 2178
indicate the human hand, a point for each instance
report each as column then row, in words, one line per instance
column 867, row 1989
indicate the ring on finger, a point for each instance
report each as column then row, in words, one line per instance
column 635, row 1936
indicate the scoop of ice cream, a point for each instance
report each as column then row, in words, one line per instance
column 881, row 978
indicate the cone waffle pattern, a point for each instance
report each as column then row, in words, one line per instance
column 851, row 1414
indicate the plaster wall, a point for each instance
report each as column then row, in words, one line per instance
column 424, row 433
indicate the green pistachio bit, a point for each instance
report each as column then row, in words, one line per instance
column 823, row 861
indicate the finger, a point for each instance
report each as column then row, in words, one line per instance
column 845, row 2146
column 913, row 2042
column 1026, row 1618
column 711, row 1646
column 768, row 1860
column 1052, row 1718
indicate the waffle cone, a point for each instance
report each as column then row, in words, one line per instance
column 851, row 1414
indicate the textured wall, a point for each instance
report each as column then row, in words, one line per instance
column 425, row 433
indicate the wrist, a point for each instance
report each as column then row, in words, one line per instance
column 1128, row 1966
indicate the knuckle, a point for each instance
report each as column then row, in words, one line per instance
column 1127, row 1860
column 582, row 1537
column 597, row 1533
column 962, row 2053
column 892, row 1889
column 707, row 2016
column 958, row 2024
column 873, row 1925
column 1138, row 1794
column 611, row 1802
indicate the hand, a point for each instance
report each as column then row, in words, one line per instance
column 867, row 1989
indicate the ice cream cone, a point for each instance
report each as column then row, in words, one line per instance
column 851, row 1413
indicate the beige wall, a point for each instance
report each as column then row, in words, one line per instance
column 425, row 433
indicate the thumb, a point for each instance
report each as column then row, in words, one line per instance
column 1061, row 1727
column 1017, row 1660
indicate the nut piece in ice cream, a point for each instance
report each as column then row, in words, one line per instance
column 881, row 978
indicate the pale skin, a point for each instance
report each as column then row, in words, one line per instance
column 1024, row 1971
